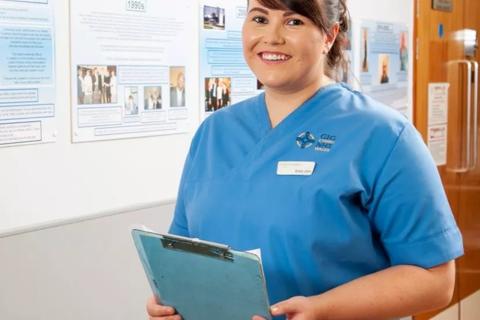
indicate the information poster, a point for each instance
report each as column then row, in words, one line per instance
column 344, row 70
column 27, row 76
column 384, row 63
column 132, row 68
column 438, row 121
column 225, row 78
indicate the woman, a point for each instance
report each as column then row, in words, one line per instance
column 113, row 87
column 356, row 225
column 88, row 87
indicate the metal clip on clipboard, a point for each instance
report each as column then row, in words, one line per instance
column 201, row 279
column 197, row 246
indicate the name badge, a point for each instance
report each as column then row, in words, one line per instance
column 295, row 168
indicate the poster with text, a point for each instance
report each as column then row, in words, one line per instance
column 27, row 73
column 384, row 63
column 438, row 121
column 225, row 78
column 132, row 68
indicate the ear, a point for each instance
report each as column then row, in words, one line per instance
column 332, row 35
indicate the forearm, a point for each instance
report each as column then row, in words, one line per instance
column 393, row 292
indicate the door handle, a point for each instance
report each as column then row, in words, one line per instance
column 466, row 165
column 475, row 115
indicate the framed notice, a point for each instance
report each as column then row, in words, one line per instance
column 442, row 5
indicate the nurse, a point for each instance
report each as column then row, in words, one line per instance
column 337, row 190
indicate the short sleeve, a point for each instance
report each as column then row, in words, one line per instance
column 179, row 225
column 409, row 208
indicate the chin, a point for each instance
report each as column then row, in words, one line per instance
column 279, row 84
column 273, row 80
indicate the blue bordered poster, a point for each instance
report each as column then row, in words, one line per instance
column 132, row 71
column 384, row 63
column 27, row 72
column 225, row 77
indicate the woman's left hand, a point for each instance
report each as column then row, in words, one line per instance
column 296, row 308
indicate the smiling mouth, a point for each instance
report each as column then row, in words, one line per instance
column 274, row 57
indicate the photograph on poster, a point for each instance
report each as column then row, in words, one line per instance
column 177, row 87
column 344, row 69
column 213, row 18
column 403, row 51
column 364, row 50
column 153, row 98
column 217, row 93
column 131, row 101
column 344, row 72
column 96, row 84
column 347, row 41
column 384, row 70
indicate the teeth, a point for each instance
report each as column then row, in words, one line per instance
column 274, row 57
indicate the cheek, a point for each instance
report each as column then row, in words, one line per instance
column 245, row 36
column 248, row 45
column 311, row 52
column 250, row 38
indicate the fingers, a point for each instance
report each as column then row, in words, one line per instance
column 156, row 310
column 257, row 318
column 174, row 317
column 292, row 305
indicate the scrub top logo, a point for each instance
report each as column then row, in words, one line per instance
column 325, row 143
column 305, row 140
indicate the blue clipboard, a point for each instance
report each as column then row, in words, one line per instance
column 203, row 280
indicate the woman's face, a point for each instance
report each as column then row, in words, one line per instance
column 283, row 49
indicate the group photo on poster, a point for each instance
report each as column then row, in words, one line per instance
column 96, row 84
column 217, row 93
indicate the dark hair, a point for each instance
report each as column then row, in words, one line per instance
column 324, row 14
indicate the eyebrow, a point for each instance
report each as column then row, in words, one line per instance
column 286, row 14
column 258, row 9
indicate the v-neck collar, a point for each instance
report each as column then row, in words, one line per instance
column 264, row 118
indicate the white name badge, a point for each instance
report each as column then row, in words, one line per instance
column 295, row 168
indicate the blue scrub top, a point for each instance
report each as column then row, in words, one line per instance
column 374, row 200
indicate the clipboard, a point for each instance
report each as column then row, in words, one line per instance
column 203, row 280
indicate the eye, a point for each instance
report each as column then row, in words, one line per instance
column 260, row 19
column 295, row 22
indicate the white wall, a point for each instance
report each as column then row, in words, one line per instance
column 83, row 271
column 383, row 10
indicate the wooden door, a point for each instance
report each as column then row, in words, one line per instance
column 440, row 57
column 469, row 197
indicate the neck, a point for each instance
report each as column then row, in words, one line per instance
column 281, row 102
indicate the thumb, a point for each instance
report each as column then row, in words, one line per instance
column 285, row 307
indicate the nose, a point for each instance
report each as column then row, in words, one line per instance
column 274, row 34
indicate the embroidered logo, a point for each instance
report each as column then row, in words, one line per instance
column 305, row 140
column 325, row 143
